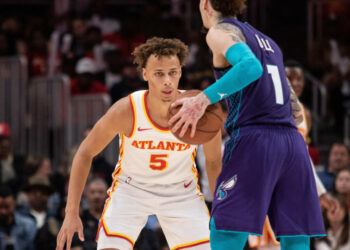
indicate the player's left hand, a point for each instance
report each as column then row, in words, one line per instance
column 191, row 111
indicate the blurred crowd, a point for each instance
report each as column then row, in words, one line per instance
column 330, row 59
column 92, row 46
column 94, row 50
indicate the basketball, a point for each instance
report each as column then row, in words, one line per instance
column 208, row 125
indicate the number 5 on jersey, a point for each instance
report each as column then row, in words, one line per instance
column 158, row 162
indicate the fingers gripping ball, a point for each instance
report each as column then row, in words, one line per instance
column 208, row 125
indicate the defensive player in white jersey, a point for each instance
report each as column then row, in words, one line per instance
column 156, row 173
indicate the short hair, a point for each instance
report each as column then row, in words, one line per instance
column 342, row 170
column 159, row 47
column 5, row 192
column 293, row 63
column 32, row 165
column 97, row 180
column 341, row 144
column 228, row 7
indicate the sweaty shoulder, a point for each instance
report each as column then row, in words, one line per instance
column 121, row 115
column 222, row 36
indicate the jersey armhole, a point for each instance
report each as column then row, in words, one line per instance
column 133, row 110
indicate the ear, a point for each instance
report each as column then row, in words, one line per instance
column 208, row 8
column 206, row 4
column 144, row 74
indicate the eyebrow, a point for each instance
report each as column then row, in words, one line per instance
column 163, row 69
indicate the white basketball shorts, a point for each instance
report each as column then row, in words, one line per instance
column 179, row 207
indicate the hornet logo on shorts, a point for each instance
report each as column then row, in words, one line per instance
column 221, row 192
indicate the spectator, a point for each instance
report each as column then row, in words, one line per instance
column 93, row 47
column 67, row 47
column 151, row 236
column 128, row 38
column 31, row 167
column 100, row 168
column 38, row 191
column 337, row 82
column 95, row 196
column 41, row 166
column 85, row 82
column 100, row 18
column 12, row 27
column 46, row 236
column 114, row 62
column 295, row 74
column 38, row 165
column 17, row 232
column 130, row 83
column 76, row 46
column 10, row 165
column 336, row 219
column 38, row 54
column 199, row 60
column 339, row 158
column 7, row 172
column 4, row 45
column 342, row 185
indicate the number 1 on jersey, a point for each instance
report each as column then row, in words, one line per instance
column 276, row 79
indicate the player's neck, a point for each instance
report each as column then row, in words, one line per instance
column 157, row 108
column 215, row 19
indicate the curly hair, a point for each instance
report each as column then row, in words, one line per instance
column 159, row 47
column 229, row 7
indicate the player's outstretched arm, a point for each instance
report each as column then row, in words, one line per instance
column 118, row 119
column 229, row 49
column 213, row 160
column 296, row 106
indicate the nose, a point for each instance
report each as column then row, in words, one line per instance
column 167, row 80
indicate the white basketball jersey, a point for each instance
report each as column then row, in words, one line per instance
column 151, row 154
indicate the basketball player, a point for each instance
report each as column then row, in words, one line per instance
column 295, row 75
column 156, row 173
column 266, row 167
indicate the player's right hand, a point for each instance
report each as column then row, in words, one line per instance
column 191, row 111
column 71, row 224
